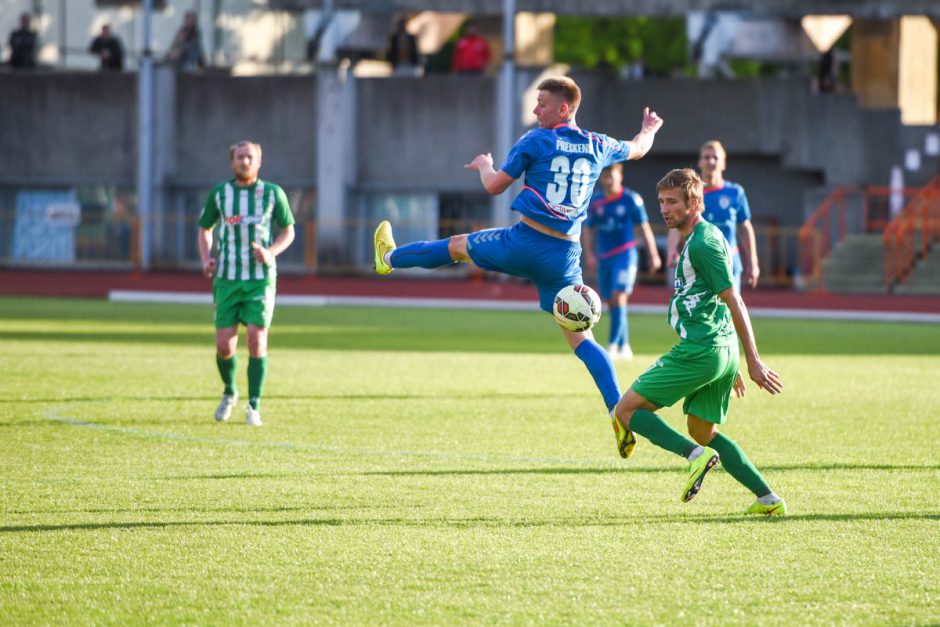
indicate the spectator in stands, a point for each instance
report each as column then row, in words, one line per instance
column 403, row 51
column 109, row 49
column 186, row 50
column 826, row 71
column 23, row 43
column 472, row 53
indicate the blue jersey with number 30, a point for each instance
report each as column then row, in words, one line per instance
column 561, row 166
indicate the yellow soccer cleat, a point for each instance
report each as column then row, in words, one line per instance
column 384, row 243
column 626, row 441
column 777, row 509
column 697, row 469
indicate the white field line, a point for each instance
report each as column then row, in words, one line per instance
column 55, row 415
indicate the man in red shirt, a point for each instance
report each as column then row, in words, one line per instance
column 472, row 53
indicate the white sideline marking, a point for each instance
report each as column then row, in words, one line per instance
column 55, row 416
column 198, row 298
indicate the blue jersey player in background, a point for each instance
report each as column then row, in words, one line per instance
column 610, row 242
column 726, row 207
column 561, row 163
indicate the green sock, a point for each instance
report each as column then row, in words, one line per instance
column 738, row 465
column 257, row 372
column 227, row 371
column 658, row 431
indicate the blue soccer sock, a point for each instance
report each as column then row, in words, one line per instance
column 602, row 369
column 625, row 325
column 422, row 255
column 618, row 321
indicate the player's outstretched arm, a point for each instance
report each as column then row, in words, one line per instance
column 757, row 370
column 204, row 238
column 749, row 252
column 641, row 144
column 495, row 183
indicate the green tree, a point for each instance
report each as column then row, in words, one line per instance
column 616, row 42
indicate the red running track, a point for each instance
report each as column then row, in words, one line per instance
column 97, row 284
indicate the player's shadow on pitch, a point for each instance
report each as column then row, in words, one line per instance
column 587, row 470
column 491, row 522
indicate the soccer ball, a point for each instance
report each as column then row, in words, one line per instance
column 577, row 307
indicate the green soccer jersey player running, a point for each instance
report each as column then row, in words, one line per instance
column 246, row 272
column 709, row 316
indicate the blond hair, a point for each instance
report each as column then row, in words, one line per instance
column 688, row 181
column 244, row 142
column 718, row 147
column 564, row 87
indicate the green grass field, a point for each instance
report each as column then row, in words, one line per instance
column 438, row 467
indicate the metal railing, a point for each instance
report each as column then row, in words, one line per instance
column 110, row 240
column 846, row 210
column 909, row 236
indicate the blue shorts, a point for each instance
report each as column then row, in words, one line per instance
column 549, row 262
column 737, row 268
column 617, row 274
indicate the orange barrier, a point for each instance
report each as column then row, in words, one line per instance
column 909, row 236
column 828, row 224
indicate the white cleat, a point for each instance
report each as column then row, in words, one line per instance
column 252, row 417
column 224, row 411
column 620, row 353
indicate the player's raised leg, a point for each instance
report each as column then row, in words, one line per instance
column 599, row 364
column 388, row 256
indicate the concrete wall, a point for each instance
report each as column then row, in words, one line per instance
column 420, row 133
column 416, row 134
column 68, row 127
column 214, row 111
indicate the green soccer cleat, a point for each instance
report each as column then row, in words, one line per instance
column 384, row 243
column 777, row 509
column 626, row 441
column 697, row 469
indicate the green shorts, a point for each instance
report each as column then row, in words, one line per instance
column 248, row 302
column 703, row 375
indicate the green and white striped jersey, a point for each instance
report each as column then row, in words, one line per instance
column 246, row 214
column 703, row 271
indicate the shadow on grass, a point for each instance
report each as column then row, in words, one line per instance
column 570, row 470
column 488, row 522
column 351, row 396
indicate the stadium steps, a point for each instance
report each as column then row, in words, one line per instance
column 856, row 265
column 924, row 280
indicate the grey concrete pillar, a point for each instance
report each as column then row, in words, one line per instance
column 336, row 159
column 167, row 229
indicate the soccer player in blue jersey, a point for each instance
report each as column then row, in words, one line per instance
column 614, row 216
column 561, row 163
column 726, row 207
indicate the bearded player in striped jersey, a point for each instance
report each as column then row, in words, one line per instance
column 709, row 317
column 245, row 274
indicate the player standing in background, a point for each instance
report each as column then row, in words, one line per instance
column 561, row 163
column 709, row 316
column 615, row 213
column 246, row 272
column 726, row 207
